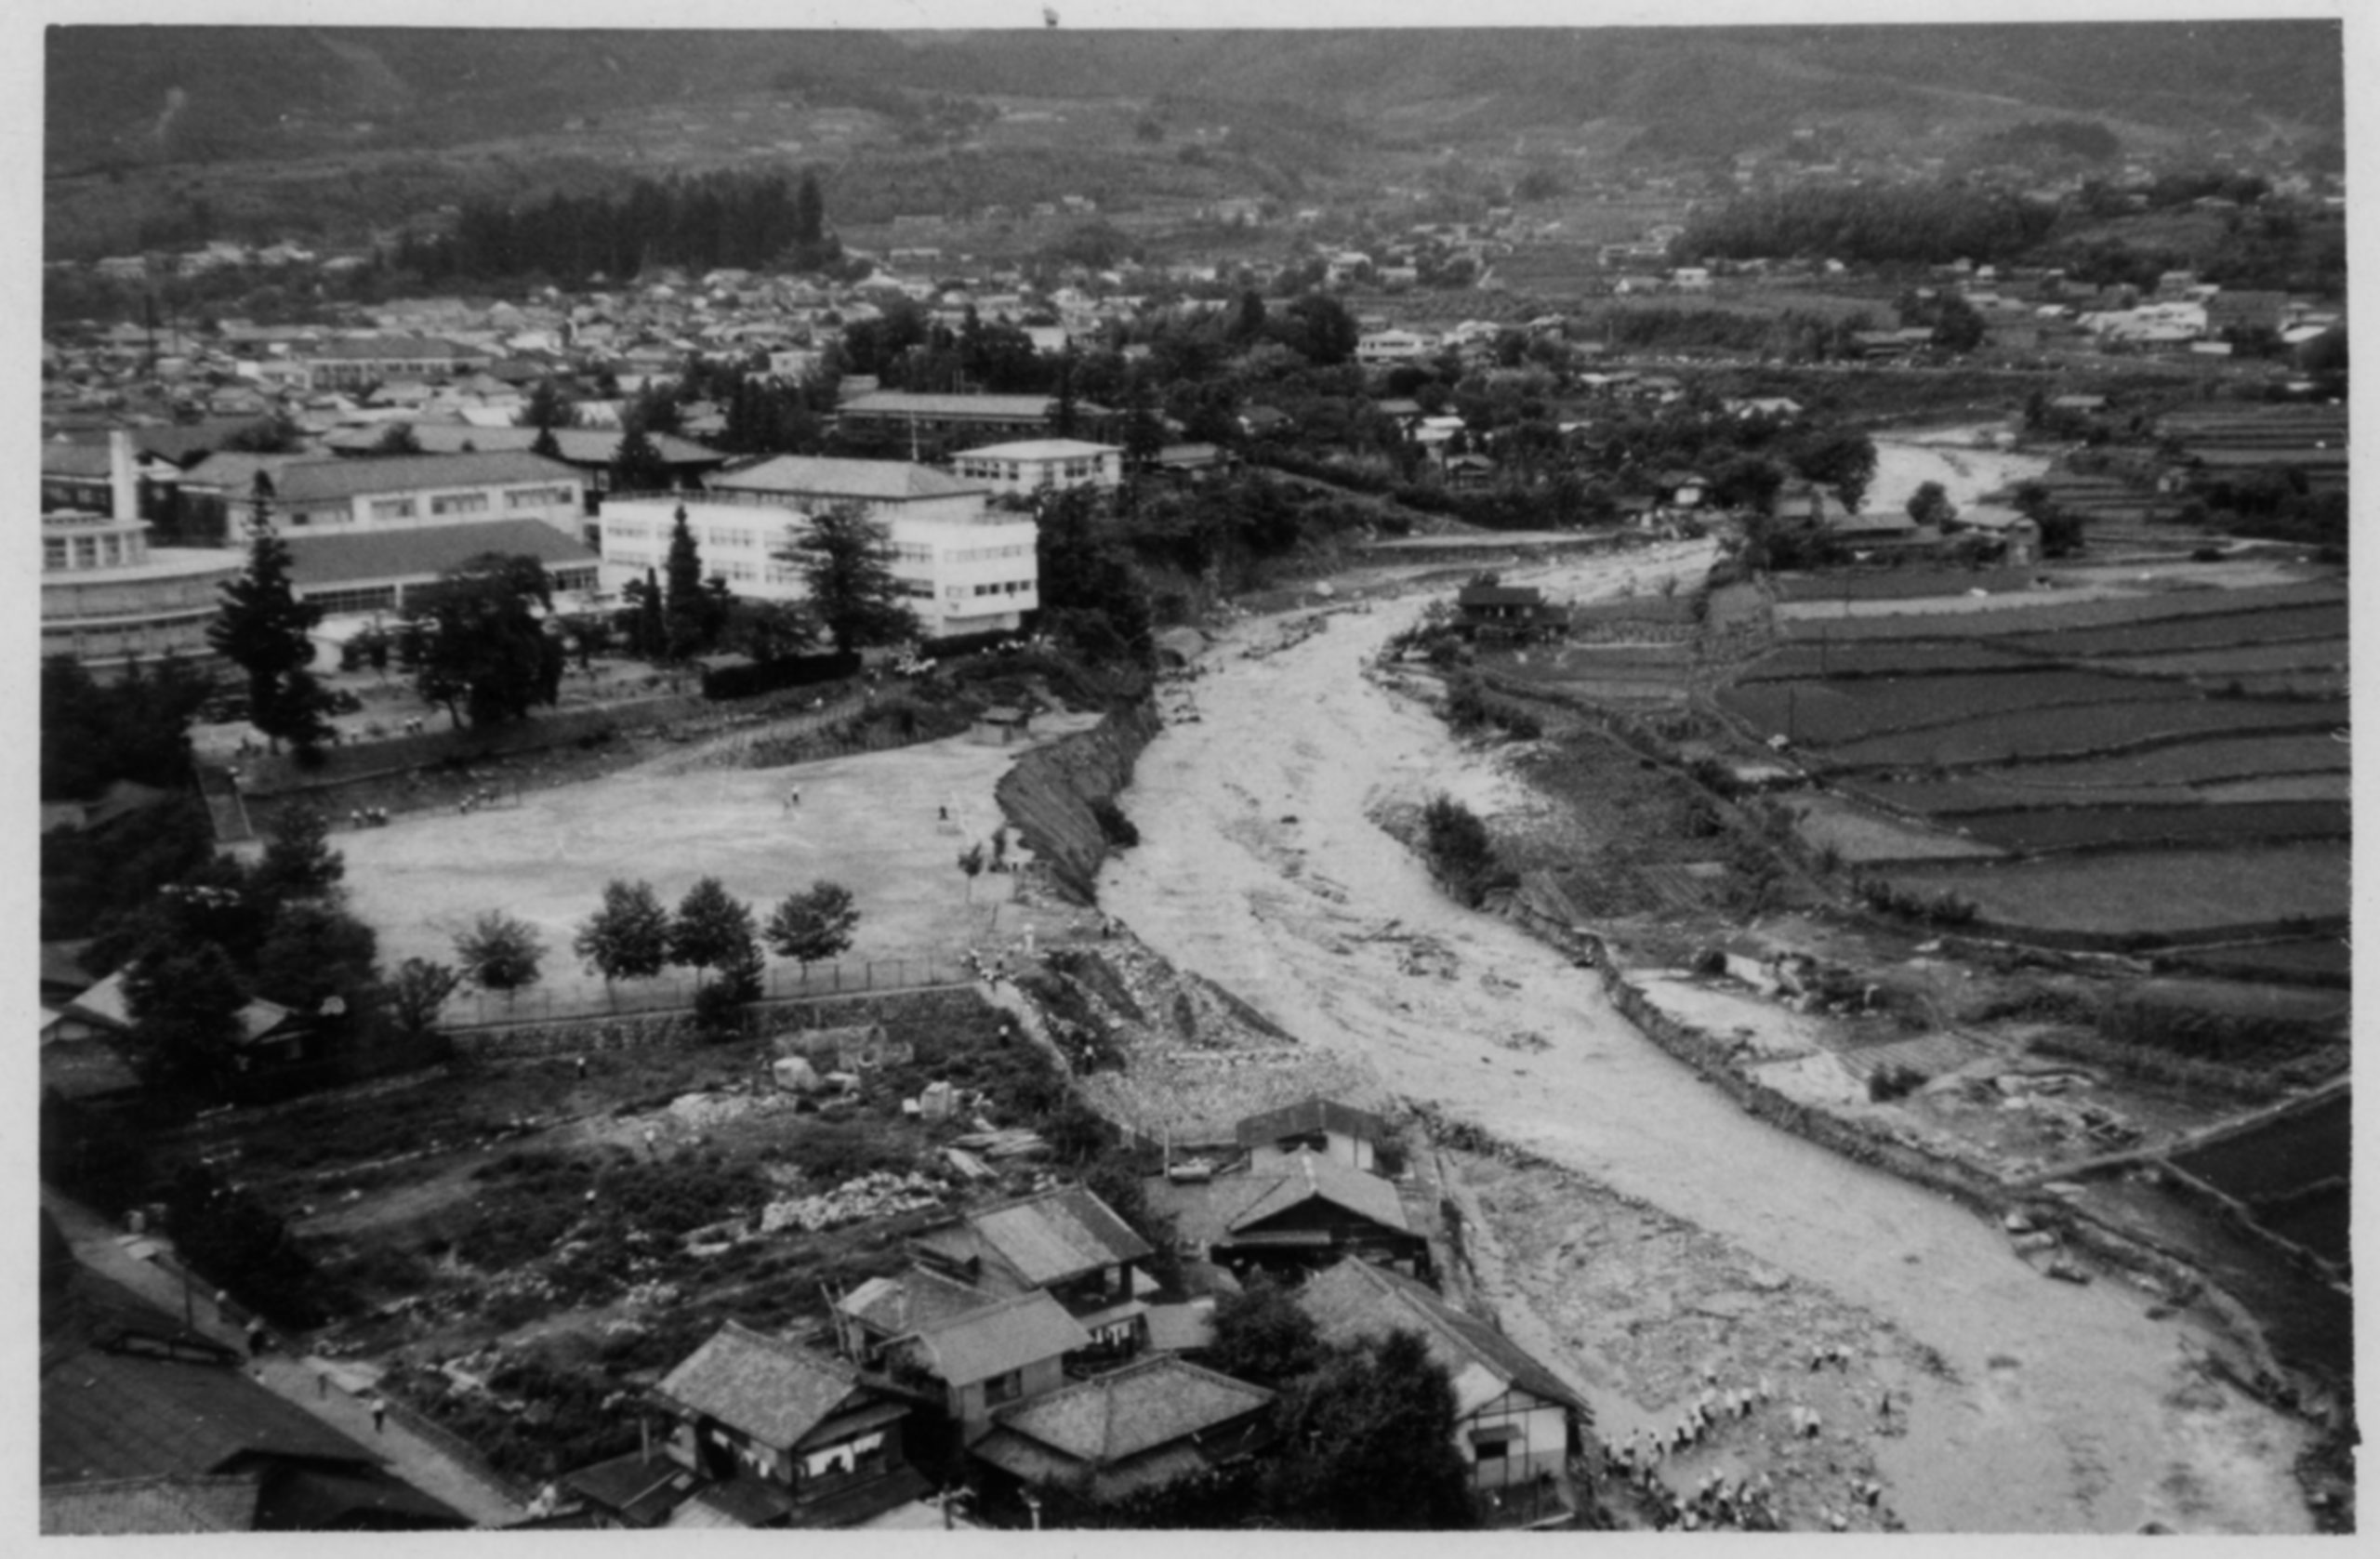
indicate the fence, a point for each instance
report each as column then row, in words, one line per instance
column 675, row 993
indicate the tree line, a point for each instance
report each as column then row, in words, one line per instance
column 1932, row 225
column 708, row 222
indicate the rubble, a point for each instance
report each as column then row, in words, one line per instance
column 880, row 1195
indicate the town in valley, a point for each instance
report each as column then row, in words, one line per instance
column 1507, row 779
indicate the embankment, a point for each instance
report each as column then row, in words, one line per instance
column 1049, row 795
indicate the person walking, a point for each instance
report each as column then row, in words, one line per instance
column 380, row 1416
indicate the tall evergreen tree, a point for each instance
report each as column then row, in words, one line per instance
column 687, row 608
column 263, row 629
column 846, row 559
column 809, row 215
column 636, row 465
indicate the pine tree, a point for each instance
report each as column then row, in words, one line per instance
column 263, row 629
column 651, row 620
column 685, row 611
column 845, row 559
column 636, row 465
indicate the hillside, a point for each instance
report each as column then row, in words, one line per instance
column 120, row 94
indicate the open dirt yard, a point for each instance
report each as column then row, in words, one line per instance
column 871, row 822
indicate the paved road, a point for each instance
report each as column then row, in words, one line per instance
column 428, row 1467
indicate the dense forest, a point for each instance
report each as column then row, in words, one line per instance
column 1931, row 226
column 741, row 220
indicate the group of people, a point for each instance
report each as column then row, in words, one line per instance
column 484, row 796
column 368, row 817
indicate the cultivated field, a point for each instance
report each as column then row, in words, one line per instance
column 2156, row 894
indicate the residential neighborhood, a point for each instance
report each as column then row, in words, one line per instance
column 1481, row 780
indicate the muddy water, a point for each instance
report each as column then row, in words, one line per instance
column 2069, row 1409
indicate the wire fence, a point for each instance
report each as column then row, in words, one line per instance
column 675, row 993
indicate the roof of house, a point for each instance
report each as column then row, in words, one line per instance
column 897, row 403
column 640, row 1489
column 1001, row 1337
column 1500, row 595
column 1308, row 1176
column 1041, row 449
column 773, row 1391
column 918, row 1297
column 388, row 347
column 62, row 457
column 110, row 1415
column 1308, row 1116
column 579, row 446
column 1046, row 1238
column 1128, row 1412
column 740, row 1501
column 1357, row 1299
column 315, row 481
column 318, row 561
column 125, row 1507
column 807, row 475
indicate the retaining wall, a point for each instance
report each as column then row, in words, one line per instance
column 1047, row 795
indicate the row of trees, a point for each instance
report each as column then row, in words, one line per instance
column 631, row 936
column 705, row 222
column 1932, row 225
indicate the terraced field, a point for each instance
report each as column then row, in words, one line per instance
column 2163, row 766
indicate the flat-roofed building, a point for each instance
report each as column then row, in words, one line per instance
column 973, row 571
column 109, row 599
column 1031, row 464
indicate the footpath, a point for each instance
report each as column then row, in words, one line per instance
column 334, row 1392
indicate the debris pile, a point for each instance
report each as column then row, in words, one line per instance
column 881, row 1195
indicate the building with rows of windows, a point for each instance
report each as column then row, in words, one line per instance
column 1026, row 468
column 319, row 493
column 964, row 571
column 109, row 599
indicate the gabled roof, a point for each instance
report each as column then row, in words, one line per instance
column 1501, row 595
column 108, row 1414
column 1358, row 1300
column 919, row 1298
column 315, row 481
column 896, row 402
column 579, row 446
column 127, row 1507
column 640, row 1489
column 1309, row 1177
column 321, row 562
column 999, row 1338
column 1041, row 449
column 1045, row 1239
column 1309, row 1115
column 773, row 1391
column 1128, row 1412
column 820, row 476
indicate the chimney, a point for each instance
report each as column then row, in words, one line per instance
column 122, row 484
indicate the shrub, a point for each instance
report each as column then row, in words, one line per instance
column 1461, row 853
column 1888, row 1083
column 1118, row 830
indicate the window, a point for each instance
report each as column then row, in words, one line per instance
column 459, row 503
column 535, row 497
column 392, row 509
column 373, row 598
column 573, row 579
column 1004, row 1388
column 53, row 551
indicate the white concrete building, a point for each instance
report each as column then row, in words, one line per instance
column 1026, row 468
column 973, row 571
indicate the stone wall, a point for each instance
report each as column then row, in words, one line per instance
column 1047, row 795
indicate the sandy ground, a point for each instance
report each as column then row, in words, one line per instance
column 2058, row 1408
column 869, row 822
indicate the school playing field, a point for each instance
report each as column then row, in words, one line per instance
column 869, row 822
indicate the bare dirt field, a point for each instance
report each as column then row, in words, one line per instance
column 871, row 822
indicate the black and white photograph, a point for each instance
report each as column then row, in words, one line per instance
column 1024, row 768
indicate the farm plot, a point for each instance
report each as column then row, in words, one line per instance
column 2202, row 762
column 2272, row 1168
column 1861, row 838
column 2040, row 829
column 1805, row 659
column 1829, row 713
column 2322, row 961
column 2077, row 731
column 2003, row 790
column 2201, row 632
column 2102, row 608
column 2335, row 788
column 1905, row 584
column 2156, row 894
column 2238, row 660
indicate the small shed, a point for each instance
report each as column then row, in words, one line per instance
column 1001, row 725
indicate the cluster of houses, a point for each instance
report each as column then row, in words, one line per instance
column 1025, row 1353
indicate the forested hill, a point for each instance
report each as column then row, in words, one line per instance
column 146, row 95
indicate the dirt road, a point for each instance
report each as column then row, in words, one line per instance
column 2063, row 1409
